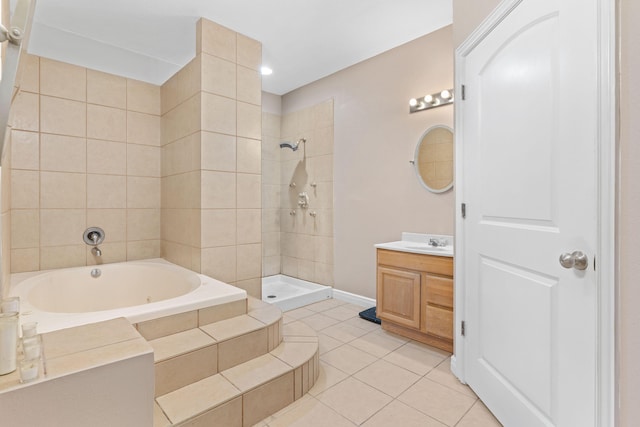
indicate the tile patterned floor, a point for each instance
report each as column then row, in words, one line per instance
column 372, row 378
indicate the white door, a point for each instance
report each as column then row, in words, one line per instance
column 529, row 129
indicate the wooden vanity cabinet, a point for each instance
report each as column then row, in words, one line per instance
column 415, row 296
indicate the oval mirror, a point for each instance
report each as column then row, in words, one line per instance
column 433, row 160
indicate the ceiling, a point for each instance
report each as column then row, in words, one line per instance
column 303, row 40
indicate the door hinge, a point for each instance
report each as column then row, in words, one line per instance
column 594, row 263
column 463, row 209
column 462, row 91
column 462, row 331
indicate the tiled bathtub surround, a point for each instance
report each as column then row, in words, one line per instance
column 85, row 151
column 211, row 155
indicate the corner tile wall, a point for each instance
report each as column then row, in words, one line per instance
column 211, row 172
column 85, row 151
column 306, row 240
column 271, row 189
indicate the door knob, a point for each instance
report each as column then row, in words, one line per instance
column 577, row 260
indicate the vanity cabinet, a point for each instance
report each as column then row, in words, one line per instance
column 415, row 296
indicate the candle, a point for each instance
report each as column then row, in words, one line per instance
column 29, row 370
column 8, row 342
column 29, row 329
column 32, row 351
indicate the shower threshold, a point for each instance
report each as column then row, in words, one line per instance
column 289, row 293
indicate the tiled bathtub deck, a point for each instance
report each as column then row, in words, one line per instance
column 369, row 377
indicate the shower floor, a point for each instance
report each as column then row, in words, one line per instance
column 288, row 293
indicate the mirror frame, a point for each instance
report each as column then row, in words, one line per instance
column 415, row 161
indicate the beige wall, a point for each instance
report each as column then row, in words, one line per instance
column 629, row 220
column 211, row 159
column 85, row 151
column 376, row 193
column 271, row 252
column 467, row 15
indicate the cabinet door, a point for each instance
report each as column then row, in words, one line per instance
column 438, row 306
column 399, row 296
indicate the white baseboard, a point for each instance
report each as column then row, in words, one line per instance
column 354, row 298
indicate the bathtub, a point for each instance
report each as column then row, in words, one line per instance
column 137, row 291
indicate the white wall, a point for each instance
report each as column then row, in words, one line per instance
column 376, row 193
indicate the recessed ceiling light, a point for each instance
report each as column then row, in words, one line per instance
column 266, row 71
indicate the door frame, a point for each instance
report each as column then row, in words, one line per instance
column 605, row 177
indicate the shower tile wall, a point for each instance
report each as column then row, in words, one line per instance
column 211, row 162
column 306, row 242
column 85, row 151
column 271, row 188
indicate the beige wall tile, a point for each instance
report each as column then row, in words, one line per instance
column 218, row 152
column 143, row 192
column 270, row 265
column 227, row 415
column 144, row 249
column 322, row 115
column 143, row 160
column 221, row 312
column 62, row 190
column 323, row 274
column 25, row 150
column 241, row 349
column 106, row 157
column 106, row 123
column 63, row 153
column 106, row 191
column 218, row 76
column 169, row 94
column 220, row 263
column 172, row 375
column 218, row 227
column 249, row 85
column 25, row 228
column 218, row 114
column 249, row 191
column 189, row 79
column 215, row 39
column 29, row 73
column 249, row 155
column 143, row 97
column 63, row 80
column 112, row 221
column 61, row 227
column 62, row 116
column 168, row 325
column 143, row 128
column 270, row 244
column 267, row 399
column 252, row 286
column 62, row 256
column 143, row 224
column 111, row 252
column 249, row 52
column 106, row 89
column 218, row 190
column 249, row 226
column 249, row 259
column 25, row 189
column 25, row 260
column 249, row 121
column 25, row 112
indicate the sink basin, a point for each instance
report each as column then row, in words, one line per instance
column 428, row 248
column 419, row 244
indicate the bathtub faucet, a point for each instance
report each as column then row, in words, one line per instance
column 93, row 236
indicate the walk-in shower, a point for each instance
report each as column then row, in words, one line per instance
column 292, row 145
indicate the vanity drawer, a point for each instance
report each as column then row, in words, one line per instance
column 439, row 290
column 417, row 262
column 439, row 322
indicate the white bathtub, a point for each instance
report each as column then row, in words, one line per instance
column 138, row 291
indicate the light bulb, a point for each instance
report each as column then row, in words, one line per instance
column 413, row 102
column 428, row 99
column 266, row 71
column 445, row 94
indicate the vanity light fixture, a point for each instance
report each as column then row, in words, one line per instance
column 433, row 100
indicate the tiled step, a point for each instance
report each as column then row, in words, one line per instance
column 248, row 392
column 191, row 355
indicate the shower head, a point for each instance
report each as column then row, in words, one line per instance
column 293, row 146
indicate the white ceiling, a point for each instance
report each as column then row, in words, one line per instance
column 302, row 40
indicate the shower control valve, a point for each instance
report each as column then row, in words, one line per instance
column 303, row 200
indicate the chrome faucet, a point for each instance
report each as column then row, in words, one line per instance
column 96, row 251
column 437, row 242
column 93, row 236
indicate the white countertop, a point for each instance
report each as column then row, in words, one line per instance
column 418, row 243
